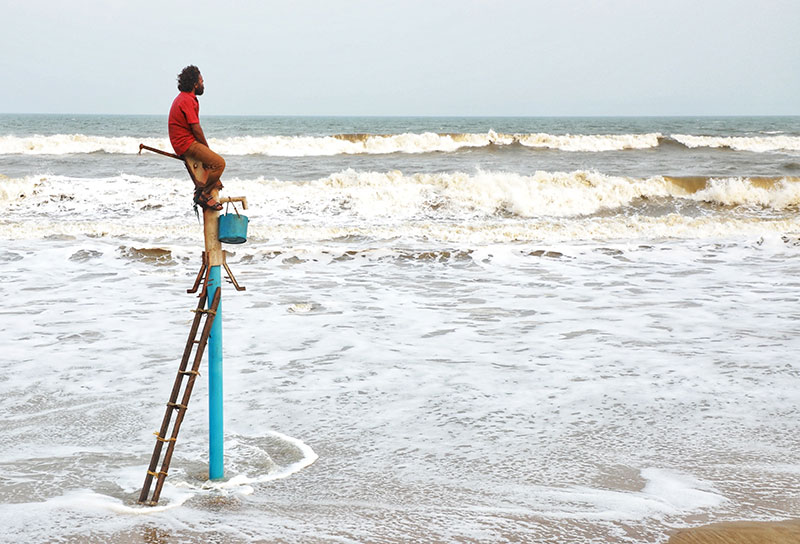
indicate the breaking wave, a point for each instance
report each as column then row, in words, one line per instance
column 339, row 144
column 759, row 144
column 427, row 142
column 370, row 194
column 453, row 206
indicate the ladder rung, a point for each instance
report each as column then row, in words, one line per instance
column 176, row 405
column 212, row 312
column 157, row 474
column 160, row 439
column 189, row 372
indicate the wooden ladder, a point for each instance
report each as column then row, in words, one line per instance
column 173, row 405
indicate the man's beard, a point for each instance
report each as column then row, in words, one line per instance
column 200, row 90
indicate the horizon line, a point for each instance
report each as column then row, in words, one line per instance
column 422, row 116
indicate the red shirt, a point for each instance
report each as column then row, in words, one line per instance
column 185, row 111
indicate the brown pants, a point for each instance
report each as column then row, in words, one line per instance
column 213, row 164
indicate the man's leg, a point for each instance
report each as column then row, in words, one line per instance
column 213, row 164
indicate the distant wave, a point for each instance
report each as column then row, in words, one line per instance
column 758, row 144
column 426, row 142
column 588, row 142
column 339, row 144
column 75, row 144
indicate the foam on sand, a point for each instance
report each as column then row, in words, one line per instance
column 247, row 460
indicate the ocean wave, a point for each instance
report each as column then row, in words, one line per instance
column 353, row 194
column 758, row 144
column 376, row 144
column 349, row 194
column 458, row 208
column 76, row 144
column 774, row 194
column 589, row 142
column 348, row 144
column 465, row 195
column 483, row 194
column 17, row 188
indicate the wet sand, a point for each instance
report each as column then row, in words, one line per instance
column 741, row 532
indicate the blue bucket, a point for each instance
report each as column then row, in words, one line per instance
column 233, row 228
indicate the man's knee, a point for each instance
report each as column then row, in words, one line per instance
column 217, row 164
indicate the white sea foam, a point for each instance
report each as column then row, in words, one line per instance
column 524, row 380
column 69, row 144
column 17, row 188
column 666, row 492
column 781, row 195
column 252, row 463
column 757, row 144
column 590, row 142
column 84, row 499
column 680, row 492
column 300, row 146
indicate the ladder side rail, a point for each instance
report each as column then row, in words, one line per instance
column 173, row 397
column 187, row 351
column 187, row 393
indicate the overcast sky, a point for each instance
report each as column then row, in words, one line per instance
column 405, row 57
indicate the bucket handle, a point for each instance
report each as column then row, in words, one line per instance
column 230, row 202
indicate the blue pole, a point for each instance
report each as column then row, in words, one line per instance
column 216, row 468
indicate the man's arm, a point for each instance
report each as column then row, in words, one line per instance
column 197, row 131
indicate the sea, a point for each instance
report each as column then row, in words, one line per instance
column 461, row 329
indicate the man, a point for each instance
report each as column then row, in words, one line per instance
column 187, row 136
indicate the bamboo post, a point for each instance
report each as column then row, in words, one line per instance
column 216, row 461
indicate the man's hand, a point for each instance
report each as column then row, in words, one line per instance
column 197, row 131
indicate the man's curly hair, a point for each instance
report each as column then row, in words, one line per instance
column 188, row 77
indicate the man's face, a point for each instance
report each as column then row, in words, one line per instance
column 199, row 88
